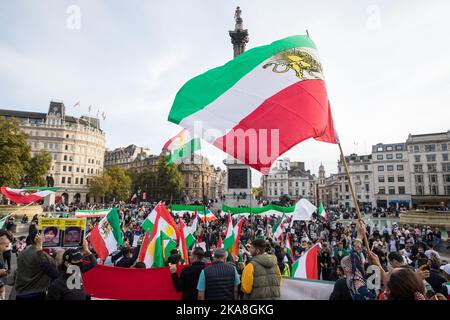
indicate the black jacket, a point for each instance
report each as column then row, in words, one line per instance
column 341, row 291
column 188, row 280
column 435, row 280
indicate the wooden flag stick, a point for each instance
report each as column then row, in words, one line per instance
column 358, row 213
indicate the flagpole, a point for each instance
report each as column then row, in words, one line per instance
column 358, row 213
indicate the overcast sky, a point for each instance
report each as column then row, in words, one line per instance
column 386, row 63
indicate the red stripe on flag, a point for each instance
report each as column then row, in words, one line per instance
column 299, row 112
column 98, row 243
column 312, row 268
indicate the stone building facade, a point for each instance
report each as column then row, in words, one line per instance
column 77, row 147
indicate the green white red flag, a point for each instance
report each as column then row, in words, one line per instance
column 274, row 95
column 321, row 212
column 182, row 247
column 306, row 267
column 107, row 235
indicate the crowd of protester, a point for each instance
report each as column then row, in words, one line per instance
column 407, row 256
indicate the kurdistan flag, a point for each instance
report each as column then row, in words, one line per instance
column 181, row 146
column 152, row 252
column 277, row 91
column 182, row 247
column 107, row 235
column 237, row 231
column 306, row 266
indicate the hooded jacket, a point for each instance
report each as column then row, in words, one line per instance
column 261, row 278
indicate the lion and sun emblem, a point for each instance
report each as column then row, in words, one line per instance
column 300, row 61
column 105, row 228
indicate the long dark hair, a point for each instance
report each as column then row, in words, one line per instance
column 404, row 284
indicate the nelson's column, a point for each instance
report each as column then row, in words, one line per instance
column 238, row 182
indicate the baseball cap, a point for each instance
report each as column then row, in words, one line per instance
column 72, row 255
column 446, row 268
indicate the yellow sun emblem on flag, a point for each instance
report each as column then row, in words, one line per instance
column 299, row 60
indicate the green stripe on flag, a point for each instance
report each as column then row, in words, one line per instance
column 114, row 221
column 184, row 151
column 182, row 207
column 258, row 210
column 200, row 91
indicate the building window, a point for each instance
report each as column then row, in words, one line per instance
column 380, row 178
column 418, row 168
column 76, row 180
column 70, row 168
column 418, row 178
column 275, row 192
column 381, row 190
column 81, row 180
column 390, row 168
column 78, row 169
column 416, row 149
column 432, row 168
column 64, row 168
column 379, row 157
column 431, row 158
column 434, row 190
column 446, row 167
column 401, row 179
column 419, row 190
column 391, row 190
column 389, row 156
column 303, row 184
column 445, row 157
column 430, row 147
column 366, row 167
column 389, row 148
column 346, row 188
column 399, row 167
column 446, row 178
column 399, row 156
column 433, row 178
column 367, row 187
column 391, row 179
column 401, row 190
column 380, row 149
column 66, row 147
column 65, row 158
column 380, row 168
column 417, row 158
column 63, row 179
column 399, row 147
column 69, row 180
column 444, row 147
column 447, row 190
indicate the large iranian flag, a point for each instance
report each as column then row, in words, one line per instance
column 307, row 266
column 26, row 195
column 277, row 91
column 107, row 235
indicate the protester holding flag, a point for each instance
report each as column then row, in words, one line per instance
column 188, row 280
column 261, row 278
